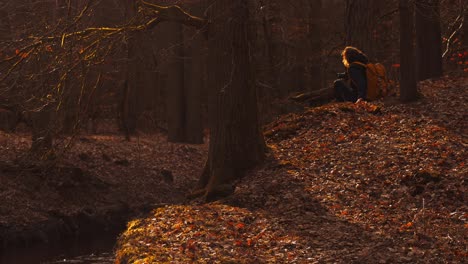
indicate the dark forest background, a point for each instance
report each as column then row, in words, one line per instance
column 158, row 79
column 112, row 108
column 209, row 68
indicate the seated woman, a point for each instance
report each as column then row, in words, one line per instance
column 352, row 85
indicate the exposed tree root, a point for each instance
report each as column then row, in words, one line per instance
column 214, row 193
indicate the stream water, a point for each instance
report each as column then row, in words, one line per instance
column 96, row 250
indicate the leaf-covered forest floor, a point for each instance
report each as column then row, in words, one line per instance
column 94, row 187
column 343, row 183
column 375, row 183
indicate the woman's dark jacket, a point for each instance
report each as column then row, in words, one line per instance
column 357, row 75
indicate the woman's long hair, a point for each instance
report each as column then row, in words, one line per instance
column 352, row 54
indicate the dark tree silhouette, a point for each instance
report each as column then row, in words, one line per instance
column 408, row 90
column 314, row 34
column 359, row 24
column 236, row 142
column 428, row 39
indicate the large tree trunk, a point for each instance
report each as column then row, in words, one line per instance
column 408, row 90
column 428, row 39
column 236, row 142
column 359, row 26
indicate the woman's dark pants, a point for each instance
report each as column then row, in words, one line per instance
column 343, row 92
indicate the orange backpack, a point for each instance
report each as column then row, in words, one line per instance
column 378, row 85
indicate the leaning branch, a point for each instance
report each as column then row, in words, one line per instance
column 174, row 14
column 150, row 16
column 461, row 21
column 156, row 13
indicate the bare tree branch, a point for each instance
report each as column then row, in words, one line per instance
column 174, row 14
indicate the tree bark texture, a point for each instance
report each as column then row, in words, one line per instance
column 428, row 39
column 408, row 90
column 359, row 25
column 236, row 142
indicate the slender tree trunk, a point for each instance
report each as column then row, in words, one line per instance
column 236, row 142
column 184, row 85
column 465, row 23
column 42, row 118
column 408, row 90
column 194, row 70
column 315, row 61
column 130, row 101
column 41, row 123
column 70, row 109
column 133, row 83
column 267, row 60
column 176, row 96
column 428, row 39
column 124, row 108
column 269, row 14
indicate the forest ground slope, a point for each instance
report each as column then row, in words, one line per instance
column 343, row 183
column 93, row 188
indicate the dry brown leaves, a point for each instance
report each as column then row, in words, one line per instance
column 370, row 183
column 396, row 171
column 116, row 172
column 212, row 233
